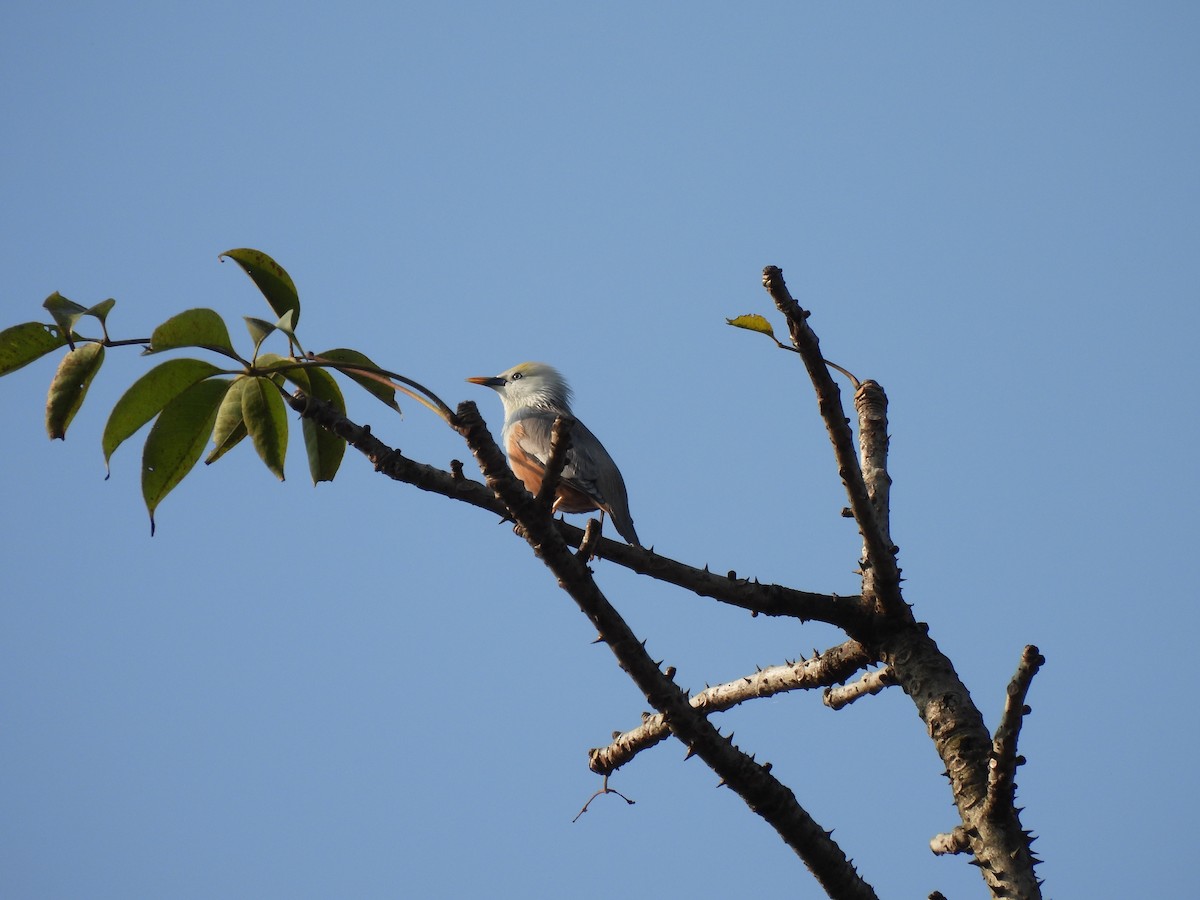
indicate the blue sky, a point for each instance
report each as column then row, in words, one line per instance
column 361, row 690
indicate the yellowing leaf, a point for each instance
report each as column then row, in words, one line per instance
column 69, row 387
column 753, row 322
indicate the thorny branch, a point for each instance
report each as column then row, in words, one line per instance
column 1001, row 848
column 753, row 782
column 751, row 595
column 878, row 545
column 1001, row 784
column 834, row 665
column 878, row 622
column 870, row 683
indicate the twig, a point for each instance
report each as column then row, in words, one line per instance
column 604, row 789
column 430, row 400
column 1001, row 774
column 870, row 683
column 871, row 403
column 877, row 546
column 951, row 842
column 587, row 546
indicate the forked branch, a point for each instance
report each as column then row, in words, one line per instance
column 745, row 593
column 879, row 553
column 754, row 783
column 991, row 822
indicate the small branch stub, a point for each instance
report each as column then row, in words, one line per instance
column 869, row 684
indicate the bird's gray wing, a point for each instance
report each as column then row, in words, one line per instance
column 608, row 485
column 588, row 469
column 581, row 470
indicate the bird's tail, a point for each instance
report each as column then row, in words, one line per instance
column 624, row 523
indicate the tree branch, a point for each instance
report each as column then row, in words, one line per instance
column 878, row 550
column 759, row 599
column 870, row 683
column 834, row 665
column 871, row 403
column 1001, row 784
column 955, row 841
column 846, row 612
column 999, row 844
column 754, row 783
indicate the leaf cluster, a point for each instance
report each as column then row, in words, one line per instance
column 193, row 401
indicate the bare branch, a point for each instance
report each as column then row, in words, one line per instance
column 870, row 683
column 754, row 783
column 849, row 613
column 587, row 546
column 834, row 665
column 871, row 403
column 955, row 841
column 604, row 789
column 760, row 599
column 1001, row 784
column 877, row 545
column 999, row 844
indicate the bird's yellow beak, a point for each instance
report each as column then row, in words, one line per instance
column 487, row 381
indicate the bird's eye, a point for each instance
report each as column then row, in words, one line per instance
column 515, row 376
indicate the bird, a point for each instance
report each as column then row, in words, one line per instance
column 534, row 395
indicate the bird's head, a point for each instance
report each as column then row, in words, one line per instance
column 530, row 384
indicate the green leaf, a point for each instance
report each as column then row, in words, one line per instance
column 382, row 391
column 297, row 375
column 268, row 363
column 22, row 344
column 325, row 450
column 193, row 328
column 275, row 283
column 753, row 322
column 148, row 395
column 102, row 309
column 70, row 385
column 259, row 329
column 230, row 428
column 287, row 324
column 178, row 438
column 266, row 420
column 65, row 312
